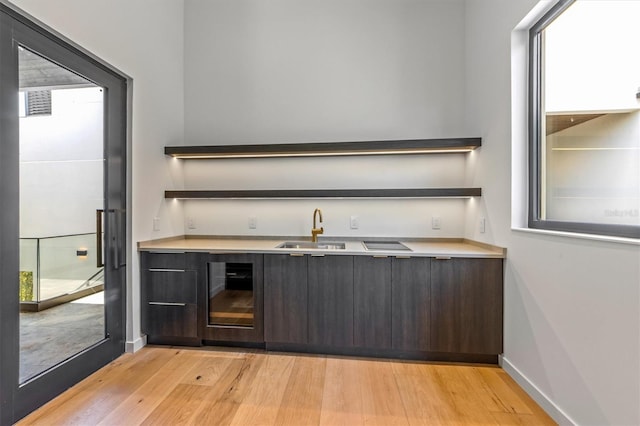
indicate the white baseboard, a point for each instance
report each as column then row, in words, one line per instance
column 534, row 392
column 136, row 345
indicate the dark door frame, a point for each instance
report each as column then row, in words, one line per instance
column 17, row 400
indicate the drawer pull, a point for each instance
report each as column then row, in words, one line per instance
column 379, row 256
column 296, row 254
column 403, row 257
column 167, row 304
column 443, row 257
column 165, row 270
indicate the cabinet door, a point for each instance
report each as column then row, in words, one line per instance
column 171, row 286
column 169, row 296
column 411, row 298
column 172, row 320
column 330, row 282
column 285, row 298
column 372, row 302
column 164, row 260
column 466, row 306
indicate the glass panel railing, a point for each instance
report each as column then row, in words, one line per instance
column 58, row 266
column 29, row 270
column 67, row 264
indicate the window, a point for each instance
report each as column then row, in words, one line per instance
column 585, row 118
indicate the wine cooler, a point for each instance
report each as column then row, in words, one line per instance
column 234, row 302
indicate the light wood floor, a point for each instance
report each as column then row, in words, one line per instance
column 213, row 386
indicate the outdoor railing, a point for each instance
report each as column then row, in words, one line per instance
column 57, row 267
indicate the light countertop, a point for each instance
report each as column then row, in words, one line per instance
column 441, row 247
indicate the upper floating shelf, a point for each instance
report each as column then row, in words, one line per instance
column 326, row 149
column 326, row 193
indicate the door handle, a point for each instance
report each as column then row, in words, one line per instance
column 99, row 262
column 114, row 245
column 116, row 237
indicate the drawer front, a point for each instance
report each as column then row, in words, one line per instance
column 171, row 286
column 165, row 260
column 172, row 320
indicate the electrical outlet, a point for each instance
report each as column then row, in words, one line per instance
column 354, row 223
column 156, row 223
column 436, row 223
column 483, row 225
column 191, row 223
column 253, row 222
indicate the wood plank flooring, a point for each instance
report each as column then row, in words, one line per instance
column 218, row 386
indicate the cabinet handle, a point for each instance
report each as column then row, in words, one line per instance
column 165, row 270
column 317, row 255
column 296, row 254
column 167, row 304
column 380, row 256
column 443, row 257
column 403, row 257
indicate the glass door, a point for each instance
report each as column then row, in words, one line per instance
column 61, row 189
column 231, row 297
column 62, row 144
column 235, row 298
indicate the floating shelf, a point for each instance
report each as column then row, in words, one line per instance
column 320, row 149
column 327, row 193
column 606, row 148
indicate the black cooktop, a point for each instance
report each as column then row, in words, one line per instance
column 385, row 245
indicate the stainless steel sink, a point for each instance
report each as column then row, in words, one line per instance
column 308, row 245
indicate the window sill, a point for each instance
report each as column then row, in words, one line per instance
column 604, row 238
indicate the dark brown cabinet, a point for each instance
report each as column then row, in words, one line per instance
column 309, row 300
column 169, row 299
column 392, row 303
column 466, row 306
column 285, row 298
column 330, row 283
column 411, row 303
column 433, row 308
column 372, row 302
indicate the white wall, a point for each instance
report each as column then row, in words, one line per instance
column 144, row 39
column 61, row 165
column 321, row 71
column 572, row 306
column 382, row 217
column 292, row 71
